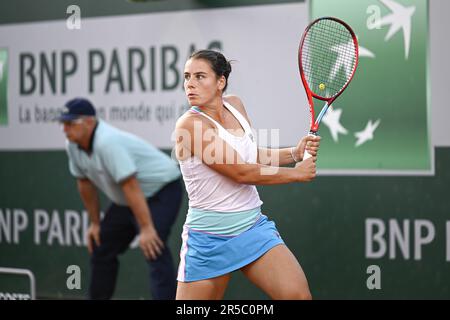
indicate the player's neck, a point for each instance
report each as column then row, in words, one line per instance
column 214, row 109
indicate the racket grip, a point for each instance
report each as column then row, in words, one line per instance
column 306, row 154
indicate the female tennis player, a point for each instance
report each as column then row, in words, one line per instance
column 225, row 230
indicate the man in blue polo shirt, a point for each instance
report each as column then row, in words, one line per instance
column 144, row 187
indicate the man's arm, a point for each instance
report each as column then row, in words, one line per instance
column 89, row 196
column 149, row 241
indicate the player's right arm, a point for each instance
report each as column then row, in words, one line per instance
column 197, row 136
column 89, row 196
column 278, row 157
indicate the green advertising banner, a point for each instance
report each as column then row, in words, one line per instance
column 3, row 86
column 380, row 123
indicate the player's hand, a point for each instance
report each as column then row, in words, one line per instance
column 150, row 243
column 310, row 143
column 306, row 169
column 93, row 235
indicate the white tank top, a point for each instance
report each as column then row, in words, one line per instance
column 208, row 189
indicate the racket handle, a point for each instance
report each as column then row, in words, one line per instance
column 306, row 154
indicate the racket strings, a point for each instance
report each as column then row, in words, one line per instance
column 324, row 71
column 328, row 57
column 328, row 34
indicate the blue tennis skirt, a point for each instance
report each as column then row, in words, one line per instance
column 205, row 255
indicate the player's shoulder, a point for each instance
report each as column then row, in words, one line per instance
column 189, row 118
column 237, row 103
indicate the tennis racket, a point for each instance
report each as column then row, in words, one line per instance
column 327, row 59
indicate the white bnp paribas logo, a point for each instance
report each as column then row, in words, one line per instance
column 400, row 18
column 333, row 115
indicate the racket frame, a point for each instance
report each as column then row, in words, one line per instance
column 314, row 125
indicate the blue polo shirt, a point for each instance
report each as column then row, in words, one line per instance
column 117, row 155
